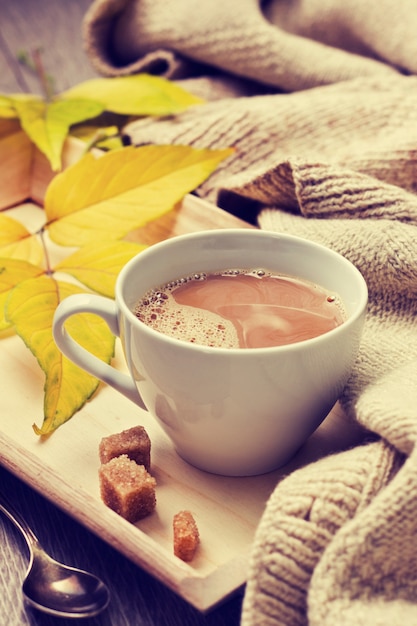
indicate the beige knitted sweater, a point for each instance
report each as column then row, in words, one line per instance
column 333, row 159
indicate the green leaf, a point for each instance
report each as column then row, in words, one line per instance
column 47, row 124
column 17, row 242
column 98, row 266
column 107, row 197
column 30, row 309
column 13, row 272
column 141, row 94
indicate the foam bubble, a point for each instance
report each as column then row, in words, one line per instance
column 189, row 324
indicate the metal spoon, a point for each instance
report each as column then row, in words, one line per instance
column 52, row 587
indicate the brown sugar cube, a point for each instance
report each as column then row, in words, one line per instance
column 127, row 488
column 186, row 535
column 134, row 442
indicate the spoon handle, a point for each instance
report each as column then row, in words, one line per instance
column 14, row 516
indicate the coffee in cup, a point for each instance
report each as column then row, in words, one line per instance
column 241, row 308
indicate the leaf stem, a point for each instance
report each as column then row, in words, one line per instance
column 34, row 63
column 44, row 78
column 48, row 268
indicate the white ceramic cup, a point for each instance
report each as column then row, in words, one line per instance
column 228, row 411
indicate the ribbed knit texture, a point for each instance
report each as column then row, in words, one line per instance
column 335, row 162
column 302, row 518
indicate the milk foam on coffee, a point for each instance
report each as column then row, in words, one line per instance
column 239, row 308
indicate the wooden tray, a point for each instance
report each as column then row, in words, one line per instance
column 64, row 468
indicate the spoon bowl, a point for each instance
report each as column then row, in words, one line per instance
column 53, row 587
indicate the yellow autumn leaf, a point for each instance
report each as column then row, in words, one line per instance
column 6, row 107
column 47, row 123
column 109, row 143
column 109, row 196
column 30, row 309
column 12, row 272
column 17, row 242
column 140, row 94
column 98, row 266
column 90, row 132
column 103, row 137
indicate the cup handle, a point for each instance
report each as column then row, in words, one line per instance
column 106, row 309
